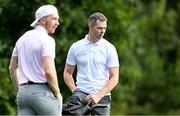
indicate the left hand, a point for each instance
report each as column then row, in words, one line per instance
column 93, row 98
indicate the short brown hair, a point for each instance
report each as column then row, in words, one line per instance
column 94, row 17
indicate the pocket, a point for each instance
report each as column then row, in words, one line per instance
column 44, row 94
column 60, row 104
column 75, row 106
column 105, row 100
column 74, row 100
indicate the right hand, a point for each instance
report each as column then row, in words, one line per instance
column 58, row 95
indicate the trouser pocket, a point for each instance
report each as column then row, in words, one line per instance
column 76, row 106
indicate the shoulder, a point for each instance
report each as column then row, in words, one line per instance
column 78, row 43
column 50, row 38
column 107, row 44
column 22, row 37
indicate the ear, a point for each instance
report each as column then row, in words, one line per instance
column 42, row 21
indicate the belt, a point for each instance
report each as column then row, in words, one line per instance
column 33, row 83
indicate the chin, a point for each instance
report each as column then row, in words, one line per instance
column 51, row 32
column 100, row 37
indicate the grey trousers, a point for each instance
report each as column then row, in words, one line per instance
column 101, row 108
column 37, row 99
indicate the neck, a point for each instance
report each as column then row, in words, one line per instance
column 41, row 26
column 92, row 38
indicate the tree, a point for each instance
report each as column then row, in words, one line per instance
column 145, row 34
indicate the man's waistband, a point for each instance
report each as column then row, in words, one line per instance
column 33, row 83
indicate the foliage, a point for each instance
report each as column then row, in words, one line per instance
column 145, row 34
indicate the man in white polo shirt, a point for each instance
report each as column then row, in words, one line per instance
column 32, row 59
column 97, row 70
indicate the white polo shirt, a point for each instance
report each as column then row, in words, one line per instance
column 30, row 48
column 93, row 61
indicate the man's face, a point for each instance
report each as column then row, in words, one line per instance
column 99, row 29
column 51, row 23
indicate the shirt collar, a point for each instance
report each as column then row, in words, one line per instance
column 97, row 43
column 41, row 28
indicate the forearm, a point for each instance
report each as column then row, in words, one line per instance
column 95, row 98
column 68, row 78
column 70, row 82
column 113, row 81
column 51, row 77
column 14, row 78
column 13, row 66
column 108, row 87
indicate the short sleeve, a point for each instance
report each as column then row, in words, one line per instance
column 71, row 59
column 48, row 47
column 113, row 60
column 15, row 51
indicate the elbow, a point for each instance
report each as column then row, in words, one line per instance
column 116, row 80
column 65, row 75
column 48, row 72
column 11, row 69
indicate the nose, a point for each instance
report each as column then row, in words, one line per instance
column 58, row 22
column 103, row 30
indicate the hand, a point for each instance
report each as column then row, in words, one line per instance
column 73, row 89
column 58, row 95
column 93, row 98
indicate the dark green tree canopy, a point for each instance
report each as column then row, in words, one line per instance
column 145, row 33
